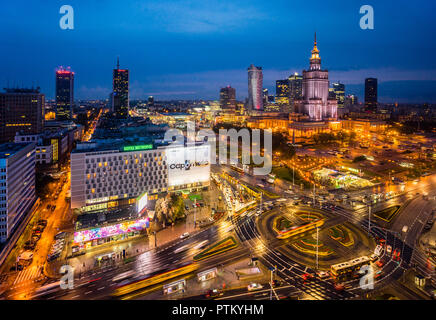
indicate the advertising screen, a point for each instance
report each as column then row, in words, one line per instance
column 109, row 231
column 188, row 165
column 141, row 202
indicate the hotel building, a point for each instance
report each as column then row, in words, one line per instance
column 17, row 185
column 110, row 175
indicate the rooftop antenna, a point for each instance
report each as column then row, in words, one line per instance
column 118, row 63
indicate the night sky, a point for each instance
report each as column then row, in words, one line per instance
column 189, row 49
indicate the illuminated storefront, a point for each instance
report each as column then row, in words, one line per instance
column 97, row 236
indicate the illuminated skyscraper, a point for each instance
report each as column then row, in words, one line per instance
column 228, row 99
column 371, row 94
column 339, row 90
column 316, row 102
column 64, row 94
column 282, row 92
column 295, row 88
column 255, row 86
column 120, row 94
column 265, row 96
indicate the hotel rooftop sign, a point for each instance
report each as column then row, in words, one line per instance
column 138, row 147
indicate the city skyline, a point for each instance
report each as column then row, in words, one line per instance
column 199, row 67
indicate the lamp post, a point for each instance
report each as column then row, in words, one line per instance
column 317, row 244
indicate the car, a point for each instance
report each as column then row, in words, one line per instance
column 213, row 293
column 405, row 228
column 53, row 208
column 186, row 207
column 194, row 205
column 373, row 257
column 396, row 255
column 254, row 286
column 378, row 250
column 380, row 263
column 378, row 274
column 276, row 283
column 323, row 274
column 339, row 287
column 307, row 276
column 48, row 206
column 185, row 235
column 388, row 249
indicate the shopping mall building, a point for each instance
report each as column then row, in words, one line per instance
column 112, row 174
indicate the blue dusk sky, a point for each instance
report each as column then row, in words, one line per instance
column 189, row 49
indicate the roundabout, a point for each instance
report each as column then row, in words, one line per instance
column 292, row 231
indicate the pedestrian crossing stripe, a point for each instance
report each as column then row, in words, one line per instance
column 28, row 274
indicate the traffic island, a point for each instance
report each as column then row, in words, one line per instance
column 387, row 214
column 309, row 246
column 221, row 246
column 342, row 235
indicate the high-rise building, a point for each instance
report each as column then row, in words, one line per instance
column 339, row 90
column 265, row 96
column 371, row 94
column 295, row 90
column 228, row 99
column 351, row 100
column 316, row 101
column 64, row 94
column 120, row 92
column 150, row 101
column 21, row 110
column 282, row 92
column 255, row 86
column 17, row 185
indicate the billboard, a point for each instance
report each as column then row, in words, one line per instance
column 188, row 165
column 110, row 231
column 141, row 202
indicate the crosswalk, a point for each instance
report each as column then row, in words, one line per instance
column 28, row 274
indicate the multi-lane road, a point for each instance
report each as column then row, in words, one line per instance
column 100, row 284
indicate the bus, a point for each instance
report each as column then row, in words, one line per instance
column 347, row 269
column 154, row 279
